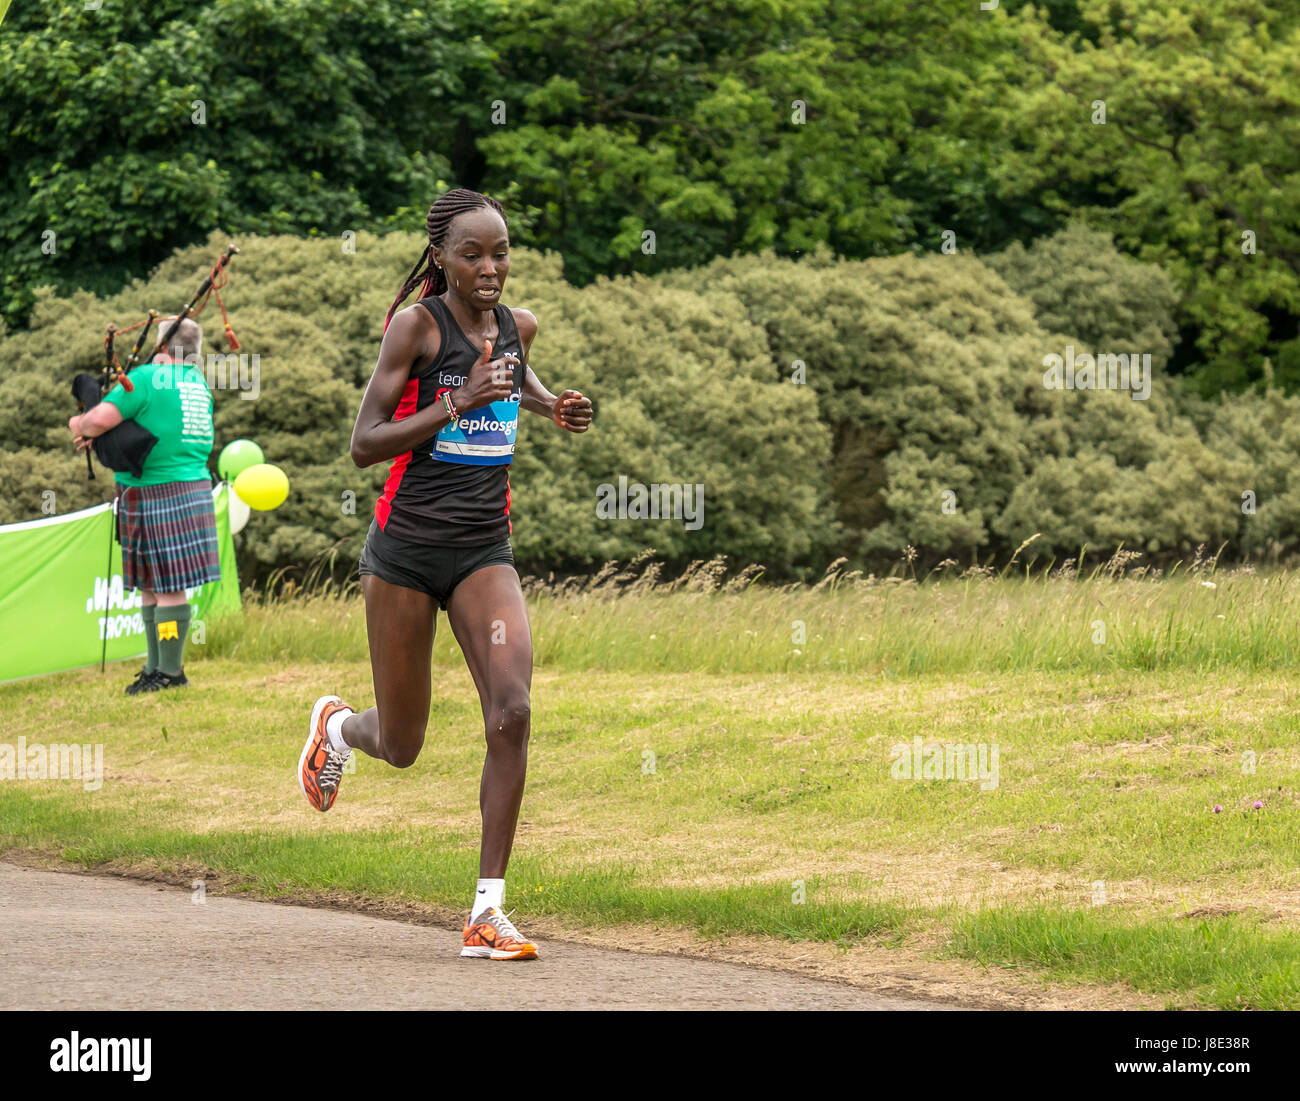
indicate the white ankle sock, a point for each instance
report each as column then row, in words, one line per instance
column 490, row 892
column 334, row 731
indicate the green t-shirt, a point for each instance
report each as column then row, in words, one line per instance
column 172, row 401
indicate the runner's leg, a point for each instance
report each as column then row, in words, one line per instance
column 490, row 620
column 400, row 623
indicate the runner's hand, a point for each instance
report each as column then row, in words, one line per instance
column 489, row 380
column 572, row 411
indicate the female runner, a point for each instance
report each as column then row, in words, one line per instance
column 445, row 412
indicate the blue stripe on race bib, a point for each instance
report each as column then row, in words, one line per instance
column 481, row 437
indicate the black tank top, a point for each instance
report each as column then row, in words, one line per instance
column 453, row 490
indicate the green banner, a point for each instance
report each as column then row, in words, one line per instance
column 57, row 603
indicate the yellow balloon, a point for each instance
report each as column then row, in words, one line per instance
column 263, row 486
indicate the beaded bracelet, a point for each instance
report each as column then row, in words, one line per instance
column 451, row 409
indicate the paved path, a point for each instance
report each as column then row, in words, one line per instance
column 72, row 941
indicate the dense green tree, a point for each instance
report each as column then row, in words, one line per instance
column 682, row 387
column 929, row 372
column 738, row 125
column 129, row 130
column 724, row 126
column 1200, row 149
column 916, row 364
column 1260, row 430
column 1079, row 284
column 827, row 407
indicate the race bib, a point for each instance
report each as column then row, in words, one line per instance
column 481, row 437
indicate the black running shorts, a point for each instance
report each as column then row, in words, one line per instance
column 433, row 570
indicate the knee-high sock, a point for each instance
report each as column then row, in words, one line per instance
column 173, row 624
column 150, row 636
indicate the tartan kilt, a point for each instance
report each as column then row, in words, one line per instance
column 168, row 534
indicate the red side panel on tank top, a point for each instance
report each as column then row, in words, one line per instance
column 405, row 408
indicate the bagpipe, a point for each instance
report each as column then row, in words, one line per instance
column 126, row 447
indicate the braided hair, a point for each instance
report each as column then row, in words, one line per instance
column 437, row 222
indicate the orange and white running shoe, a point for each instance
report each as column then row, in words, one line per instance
column 320, row 769
column 493, row 937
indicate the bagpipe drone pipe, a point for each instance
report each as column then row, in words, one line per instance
column 126, row 447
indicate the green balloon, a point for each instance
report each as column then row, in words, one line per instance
column 236, row 457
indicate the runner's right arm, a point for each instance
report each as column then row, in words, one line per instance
column 376, row 437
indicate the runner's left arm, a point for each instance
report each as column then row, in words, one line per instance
column 570, row 409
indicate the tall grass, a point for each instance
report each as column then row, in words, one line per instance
column 1117, row 616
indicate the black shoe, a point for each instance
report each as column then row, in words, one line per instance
column 158, row 680
column 137, row 685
